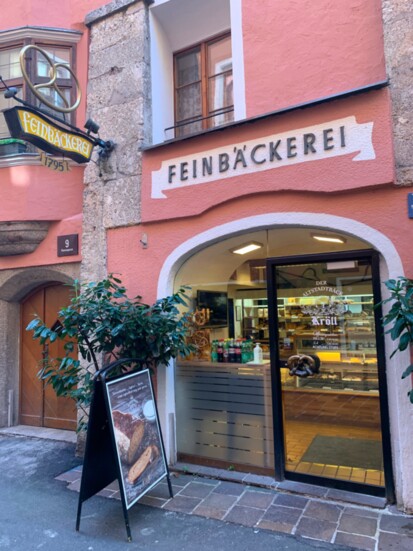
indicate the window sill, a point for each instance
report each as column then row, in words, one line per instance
column 306, row 105
column 194, row 135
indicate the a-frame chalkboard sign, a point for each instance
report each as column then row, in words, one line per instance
column 124, row 440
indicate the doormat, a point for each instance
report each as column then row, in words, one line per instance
column 345, row 452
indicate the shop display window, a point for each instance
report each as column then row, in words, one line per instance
column 236, row 408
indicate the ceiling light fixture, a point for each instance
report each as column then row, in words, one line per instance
column 247, row 247
column 349, row 265
column 328, row 238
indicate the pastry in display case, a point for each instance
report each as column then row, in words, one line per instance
column 346, row 347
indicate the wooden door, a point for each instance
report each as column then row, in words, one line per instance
column 39, row 405
column 31, row 393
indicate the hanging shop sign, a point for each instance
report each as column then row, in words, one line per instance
column 34, row 127
column 332, row 139
column 31, row 124
column 39, row 89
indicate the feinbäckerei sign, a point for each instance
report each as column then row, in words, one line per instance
column 30, row 125
column 332, row 139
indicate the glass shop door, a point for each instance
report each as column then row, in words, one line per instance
column 330, row 410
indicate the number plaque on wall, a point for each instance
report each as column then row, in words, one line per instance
column 68, row 245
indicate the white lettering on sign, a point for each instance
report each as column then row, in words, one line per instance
column 324, row 321
column 323, row 141
column 323, row 288
column 36, row 126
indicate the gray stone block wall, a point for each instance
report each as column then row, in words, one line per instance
column 118, row 99
column 398, row 41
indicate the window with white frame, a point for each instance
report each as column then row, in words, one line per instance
column 203, row 86
column 196, row 66
column 59, row 45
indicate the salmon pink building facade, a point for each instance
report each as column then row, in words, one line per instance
column 271, row 188
column 263, row 160
column 38, row 207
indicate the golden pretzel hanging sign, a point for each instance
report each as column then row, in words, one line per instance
column 35, row 88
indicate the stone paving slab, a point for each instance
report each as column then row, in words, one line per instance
column 394, row 542
column 59, row 435
column 355, row 542
column 316, row 529
column 358, row 525
column 280, row 519
column 275, row 509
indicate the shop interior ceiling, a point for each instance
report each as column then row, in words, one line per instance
column 217, row 267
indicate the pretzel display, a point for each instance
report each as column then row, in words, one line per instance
column 303, row 365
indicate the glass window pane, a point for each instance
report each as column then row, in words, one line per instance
column 53, row 96
column 57, row 55
column 221, row 118
column 219, row 56
column 220, row 92
column 224, row 403
column 327, row 341
column 6, row 104
column 188, row 67
column 188, row 102
column 188, row 128
column 9, row 64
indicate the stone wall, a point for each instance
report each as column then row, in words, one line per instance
column 118, row 99
column 398, row 41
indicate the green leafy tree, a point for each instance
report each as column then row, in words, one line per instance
column 102, row 322
column 400, row 318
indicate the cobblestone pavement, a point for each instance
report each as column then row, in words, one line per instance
column 298, row 509
column 37, row 512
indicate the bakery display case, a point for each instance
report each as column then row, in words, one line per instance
column 346, row 347
column 337, row 377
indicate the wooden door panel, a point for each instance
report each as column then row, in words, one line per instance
column 31, row 387
column 39, row 404
column 58, row 412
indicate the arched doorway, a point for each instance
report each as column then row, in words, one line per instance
column 39, row 405
column 390, row 267
column 232, row 417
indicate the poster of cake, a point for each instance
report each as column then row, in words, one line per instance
column 137, row 434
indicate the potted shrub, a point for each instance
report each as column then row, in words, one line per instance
column 400, row 318
column 103, row 325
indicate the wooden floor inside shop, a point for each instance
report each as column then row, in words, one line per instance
column 300, row 434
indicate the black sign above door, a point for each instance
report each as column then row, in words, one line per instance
column 34, row 127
